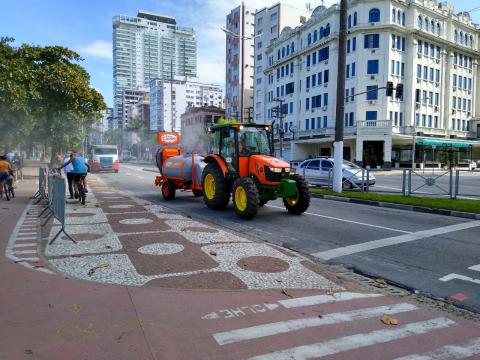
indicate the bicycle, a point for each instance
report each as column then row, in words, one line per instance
column 8, row 189
column 81, row 189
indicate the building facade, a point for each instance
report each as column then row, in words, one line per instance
column 129, row 99
column 140, row 113
column 239, row 62
column 169, row 100
column 195, row 123
column 269, row 22
column 145, row 47
column 421, row 44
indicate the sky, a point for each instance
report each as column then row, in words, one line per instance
column 86, row 27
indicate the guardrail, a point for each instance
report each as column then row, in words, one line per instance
column 41, row 193
column 458, row 189
column 55, row 197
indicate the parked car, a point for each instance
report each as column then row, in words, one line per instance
column 319, row 171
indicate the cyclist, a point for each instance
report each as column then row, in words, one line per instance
column 5, row 173
column 80, row 169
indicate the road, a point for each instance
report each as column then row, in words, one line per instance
column 434, row 254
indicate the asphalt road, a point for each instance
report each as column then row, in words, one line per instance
column 436, row 255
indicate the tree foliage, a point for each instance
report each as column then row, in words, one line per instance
column 45, row 96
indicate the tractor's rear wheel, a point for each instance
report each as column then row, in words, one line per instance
column 216, row 189
column 299, row 203
column 245, row 198
column 168, row 190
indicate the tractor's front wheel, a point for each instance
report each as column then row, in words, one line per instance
column 299, row 203
column 245, row 198
column 168, row 190
column 216, row 189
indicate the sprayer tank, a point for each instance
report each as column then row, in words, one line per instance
column 180, row 167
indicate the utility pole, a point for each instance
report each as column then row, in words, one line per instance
column 171, row 95
column 278, row 111
column 340, row 106
column 242, row 62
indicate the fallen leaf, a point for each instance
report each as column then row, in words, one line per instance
column 320, row 316
column 75, row 308
column 381, row 283
column 167, row 269
column 330, row 292
column 101, row 266
column 388, row 320
column 284, row 292
column 38, row 264
column 28, row 351
column 279, row 280
column 212, row 252
column 108, row 247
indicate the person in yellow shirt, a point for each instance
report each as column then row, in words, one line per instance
column 5, row 172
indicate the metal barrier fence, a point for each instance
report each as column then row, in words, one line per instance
column 42, row 184
column 431, row 184
column 466, row 190
column 55, row 206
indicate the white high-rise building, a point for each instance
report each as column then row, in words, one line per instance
column 169, row 100
column 269, row 22
column 239, row 62
column 421, row 44
column 145, row 47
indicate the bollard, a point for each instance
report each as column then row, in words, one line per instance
column 403, row 181
column 457, row 183
column 409, row 189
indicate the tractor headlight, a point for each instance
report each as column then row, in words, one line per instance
column 275, row 170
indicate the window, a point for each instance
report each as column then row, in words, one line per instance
column 308, row 82
column 312, row 125
column 325, row 76
column 431, row 74
column 307, row 103
column 289, row 88
column 353, row 69
column 403, row 19
column 308, row 60
column 325, row 119
column 437, row 99
column 349, row 21
column 355, row 18
column 314, row 80
column 315, row 36
column 454, row 80
column 420, row 22
column 402, row 69
column 371, row 115
column 374, row 15
column 314, row 58
column 394, row 15
column 325, row 99
column 372, row 41
column 372, row 67
column 309, row 39
column 372, row 92
column 425, row 73
column 347, row 71
column 347, row 95
column 419, row 71
column 348, row 46
column 419, row 46
column 307, row 127
column 354, row 43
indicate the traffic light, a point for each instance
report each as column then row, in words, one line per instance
column 389, row 88
column 399, row 91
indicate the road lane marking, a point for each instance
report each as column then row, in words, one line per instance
column 346, row 343
column 454, row 276
column 282, row 327
column 449, row 352
column 375, row 244
column 348, row 221
column 324, row 299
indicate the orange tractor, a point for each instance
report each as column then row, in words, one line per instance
column 241, row 165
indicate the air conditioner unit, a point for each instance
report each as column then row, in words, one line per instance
column 437, row 84
column 326, row 62
column 469, row 92
column 373, row 51
column 419, row 56
column 372, row 102
column 454, row 88
column 308, row 68
column 453, row 136
column 418, row 81
column 453, row 111
column 325, row 84
column 324, row 108
column 470, row 71
column 373, row 24
column 417, row 106
column 372, row 77
column 307, row 90
column 454, row 66
column 291, row 75
column 438, row 61
column 436, row 108
column 469, row 113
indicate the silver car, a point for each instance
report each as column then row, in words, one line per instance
column 319, row 171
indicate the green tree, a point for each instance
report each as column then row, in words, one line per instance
column 45, row 96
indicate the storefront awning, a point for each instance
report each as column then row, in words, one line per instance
column 446, row 142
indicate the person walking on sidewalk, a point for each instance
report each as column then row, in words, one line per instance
column 68, row 171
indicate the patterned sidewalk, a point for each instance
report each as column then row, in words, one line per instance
column 128, row 241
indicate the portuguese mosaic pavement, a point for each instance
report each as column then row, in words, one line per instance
column 127, row 241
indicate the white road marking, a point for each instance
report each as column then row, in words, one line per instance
column 281, row 327
column 449, row 352
column 25, row 245
column 348, row 221
column 454, row 276
column 27, row 259
column 346, row 343
column 26, row 238
column 324, row 299
column 475, row 267
column 375, row 244
column 17, row 252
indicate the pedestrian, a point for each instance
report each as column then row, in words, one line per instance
column 68, row 171
column 17, row 162
column 10, row 156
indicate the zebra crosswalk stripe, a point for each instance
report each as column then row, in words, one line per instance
column 281, row 327
column 449, row 352
column 351, row 342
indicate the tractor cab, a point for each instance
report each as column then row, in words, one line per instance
column 241, row 165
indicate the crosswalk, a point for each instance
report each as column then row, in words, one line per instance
column 291, row 336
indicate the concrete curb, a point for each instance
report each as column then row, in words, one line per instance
column 150, row 170
column 465, row 215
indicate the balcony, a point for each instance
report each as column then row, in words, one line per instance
column 374, row 127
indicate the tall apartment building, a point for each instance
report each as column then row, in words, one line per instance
column 269, row 22
column 421, row 44
column 169, row 100
column 149, row 46
column 239, row 62
column 130, row 98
